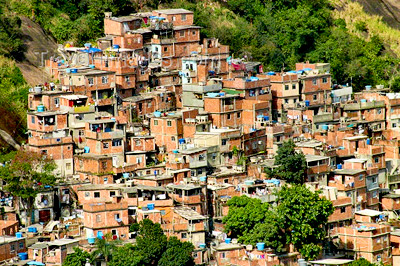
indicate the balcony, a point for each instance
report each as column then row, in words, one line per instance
column 157, row 203
column 107, row 101
column 364, row 105
column 198, row 164
column 35, row 141
column 117, row 134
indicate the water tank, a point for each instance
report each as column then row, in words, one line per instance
column 249, row 182
column 325, row 127
column 67, row 70
column 181, row 141
column 150, row 206
column 115, row 46
column 18, row 235
column 100, row 234
column 271, row 73
column 222, row 94
column 368, row 87
column 175, row 151
column 266, row 118
column 368, row 141
column 92, row 66
column 260, row 246
column 86, row 149
column 339, row 166
column 38, row 89
column 157, row 114
column 23, row 255
column 88, row 45
column 302, row 262
column 40, row 108
column 91, row 240
column 32, row 229
column 307, row 103
column 202, row 245
column 363, row 100
column 203, row 179
column 125, row 175
column 227, row 240
column 74, row 70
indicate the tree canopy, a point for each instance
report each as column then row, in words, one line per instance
column 27, row 173
column 291, row 164
column 297, row 219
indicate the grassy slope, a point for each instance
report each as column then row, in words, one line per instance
column 353, row 12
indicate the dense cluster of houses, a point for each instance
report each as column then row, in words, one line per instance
column 155, row 124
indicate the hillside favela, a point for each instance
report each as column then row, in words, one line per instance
column 182, row 133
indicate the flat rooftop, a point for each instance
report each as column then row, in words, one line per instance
column 173, row 11
column 189, row 213
column 368, row 212
column 331, row 261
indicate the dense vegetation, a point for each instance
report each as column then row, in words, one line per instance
column 298, row 219
column 152, row 248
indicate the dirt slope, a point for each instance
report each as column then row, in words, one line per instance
column 389, row 10
column 39, row 46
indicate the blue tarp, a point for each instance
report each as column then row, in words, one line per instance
column 307, row 69
column 156, row 17
column 91, row 50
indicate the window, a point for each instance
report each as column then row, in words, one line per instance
column 172, row 138
column 173, row 18
column 222, row 255
column 33, row 120
column 314, row 81
column 183, row 17
column 194, row 32
column 200, row 171
column 117, row 142
column 376, row 159
column 214, row 156
column 165, row 49
column 139, row 160
column 223, row 142
column 238, row 115
column 56, row 101
column 138, row 142
column 379, row 111
column 342, row 209
column 229, row 116
column 169, row 123
column 315, row 97
column 98, row 218
column 361, row 177
column 202, row 157
column 21, row 245
column 375, row 194
column 226, row 181
column 182, row 33
column 156, row 122
column 44, row 152
column 104, row 79
column 293, row 86
column 87, row 194
column 116, row 216
column 104, row 165
column 127, row 79
column 286, row 87
column 394, row 125
column 183, row 235
column 295, row 100
column 68, row 166
column 348, row 194
column 286, row 100
column 106, row 63
column 112, row 193
column 97, row 194
column 91, row 81
column 105, row 145
column 324, row 80
column 12, row 248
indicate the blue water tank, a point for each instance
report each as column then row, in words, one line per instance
column 32, row 229
column 150, row 206
column 368, row 141
column 125, row 175
column 91, row 240
column 228, row 240
column 18, row 235
column 339, row 166
column 266, row 118
column 157, row 114
column 175, row 151
column 202, row 245
column 100, row 234
column 115, row 46
column 363, row 100
column 92, row 66
column 23, row 255
column 222, row 94
column 325, row 127
column 67, row 70
column 40, row 108
column 74, row 70
column 88, row 45
column 271, row 73
column 86, row 149
column 203, row 178
column 181, row 141
column 260, row 246
column 307, row 103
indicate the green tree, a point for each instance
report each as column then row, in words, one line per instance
column 361, row 262
column 105, row 247
column 291, row 164
column 126, row 255
column 177, row 253
column 26, row 175
column 150, row 242
column 78, row 258
column 302, row 215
